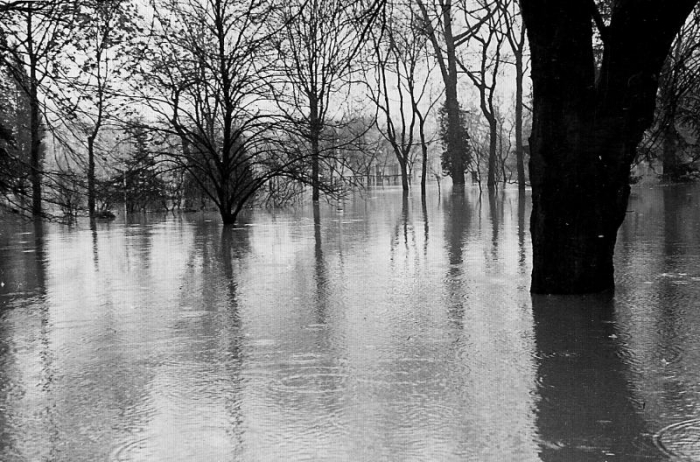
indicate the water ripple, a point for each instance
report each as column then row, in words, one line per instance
column 311, row 380
column 129, row 450
column 681, row 440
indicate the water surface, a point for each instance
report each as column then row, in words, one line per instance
column 379, row 329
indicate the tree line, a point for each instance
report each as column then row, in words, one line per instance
column 230, row 101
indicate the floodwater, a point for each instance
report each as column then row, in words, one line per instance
column 390, row 330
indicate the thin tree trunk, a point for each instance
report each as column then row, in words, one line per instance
column 455, row 150
column 424, row 167
column 34, row 122
column 493, row 154
column 669, row 157
column 455, row 129
column 315, row 135
column 447, row 61
column 315, row 177
column 519, row 151
column 35, row 147
column 91, row 177
column 404, row 174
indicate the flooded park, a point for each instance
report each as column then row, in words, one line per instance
column 382, row 328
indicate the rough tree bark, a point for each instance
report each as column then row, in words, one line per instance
column 586, row 127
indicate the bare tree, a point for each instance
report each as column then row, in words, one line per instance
column 401, row 87
column 439, row 26
column 487, row 37
column 208, row 90
column 318, row 52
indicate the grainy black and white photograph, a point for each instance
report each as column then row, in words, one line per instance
column 349, row 230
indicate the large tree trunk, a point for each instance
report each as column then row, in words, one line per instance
column 578, row 205
column 228, row 216
column 585, row 131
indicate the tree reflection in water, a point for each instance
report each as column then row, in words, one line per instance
column 586, row 409
column 457, row 213
column 362, row 334
column 320, row 270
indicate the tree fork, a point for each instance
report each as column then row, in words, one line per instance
column 585, row 130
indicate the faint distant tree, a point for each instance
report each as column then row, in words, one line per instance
column 363, row 147
column 400, row 90
column 64, row 193
column 134, row 176
column 204, row 79
column 318, row 51
column 32, row 35
column 142, row 186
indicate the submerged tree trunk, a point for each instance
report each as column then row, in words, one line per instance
column 227, row 217
column 315, row 135
column 424, row 166
column 585, row 131
column 493, row 153
column 315, row 176
column 404, row 175
column 91, row 177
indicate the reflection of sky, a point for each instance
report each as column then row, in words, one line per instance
column 400, row 379
column 381, row 337
column 375, row 335
column 659, row 254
